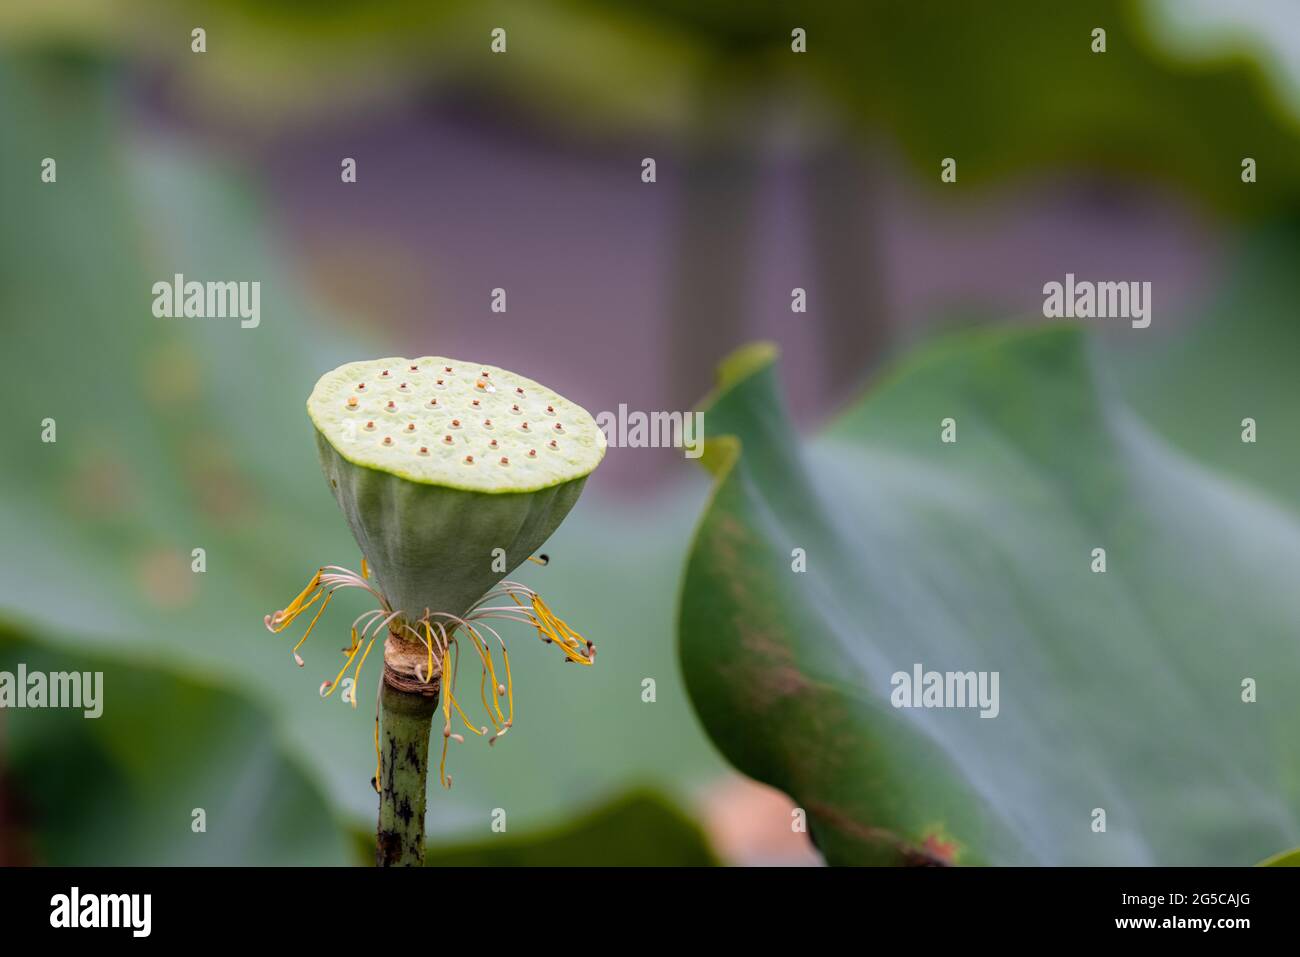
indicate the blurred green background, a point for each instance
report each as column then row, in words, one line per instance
column 522, row 170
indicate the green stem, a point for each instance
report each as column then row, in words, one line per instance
column 404, row 756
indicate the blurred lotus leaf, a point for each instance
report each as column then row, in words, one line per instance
column 1233, row 360
column 1120, row 691
column 638, row 829
column 949, row 80
column 173, row 772
column 1285, row 859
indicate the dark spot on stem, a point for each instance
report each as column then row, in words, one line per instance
column 388, row 850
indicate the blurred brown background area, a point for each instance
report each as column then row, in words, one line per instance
column 476, row 172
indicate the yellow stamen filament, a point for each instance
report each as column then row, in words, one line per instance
column 488, row 669
column 282, row 619
column 334, row 685
column 482, row 695
column 464, row 717
column 307, row 633
column 428, row 675
column 356, row 678
column 528, row 607
column 551, row 627
column 379, row 761
column 446, row 714
column 311, row 586
column 510, row 690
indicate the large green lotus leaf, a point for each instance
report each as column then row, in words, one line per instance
column 638, row 829
column 641, row 828
column 1119, row 690
column 182, row 434
column 122, row 788
column 1234, row 358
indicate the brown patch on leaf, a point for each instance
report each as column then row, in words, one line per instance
column 909, row 854
column 775, row 665
column 946, row 850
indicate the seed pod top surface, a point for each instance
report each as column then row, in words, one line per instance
column 463, row 425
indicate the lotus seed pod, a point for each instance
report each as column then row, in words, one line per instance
column 436, row 463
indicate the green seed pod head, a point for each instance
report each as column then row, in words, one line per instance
column 437, row 463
